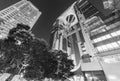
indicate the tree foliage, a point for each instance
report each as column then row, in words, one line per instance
column 64, row 66
column 14, row 48
column 23, row 53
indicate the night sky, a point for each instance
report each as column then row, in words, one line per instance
column 50, row 9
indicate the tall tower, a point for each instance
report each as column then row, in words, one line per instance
column 21, row 12
column 93, row 42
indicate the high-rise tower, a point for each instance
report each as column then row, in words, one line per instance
column 90, row 34
column 21, row 12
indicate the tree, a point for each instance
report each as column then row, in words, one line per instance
column 13, row 50
column 23, row 53
column 64, row 66
column 35, row 70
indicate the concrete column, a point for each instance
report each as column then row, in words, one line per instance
column 88, row 43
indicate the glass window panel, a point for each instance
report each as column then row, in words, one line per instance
column 95, row 40
column 99, row 49
column 104, row 48
column 109, row 46
column 103, row 30
column 103, row 38
column 118, row 32
column 100, row 31
column 108, row 36
column 99, row 39
column 115, row 45
column 114, row 34
column 119, row 42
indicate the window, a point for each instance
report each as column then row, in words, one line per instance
column 115, row 45
column 118, row 32
column 99, row 49
column 108, row 36
column 95, row 40
column 103, row 30
column 118, row 42
column 98, row 39
column 114, row 34
column 109, row 46
column 103, row 37
column 104, row 47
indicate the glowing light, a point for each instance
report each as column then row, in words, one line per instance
column 95, row 77
column 110, row 60
column 87, row 75
column 113, row 77
column 1, row 36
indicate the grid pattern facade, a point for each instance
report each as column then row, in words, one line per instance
column 93, row 43
column 21, row 12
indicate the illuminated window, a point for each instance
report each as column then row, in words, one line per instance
column 103, row 37
column 118, row 32
column 103, row 30
column 104, row 47
column 99, row 39
column 108, row 36
column 115, row 45
column 114, row 34
column 109, row 46
column 95, row 40
column 118, row 42
column 99, row 49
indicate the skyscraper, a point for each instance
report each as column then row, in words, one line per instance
column 92, row 41
column 23, row 12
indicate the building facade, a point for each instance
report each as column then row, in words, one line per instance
column 90, row 36
column 23, row 12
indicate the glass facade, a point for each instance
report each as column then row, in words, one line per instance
column 96, row 38
column 106, row 38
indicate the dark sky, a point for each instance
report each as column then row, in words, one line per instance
column 50, row 9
